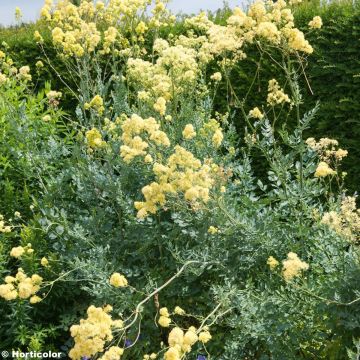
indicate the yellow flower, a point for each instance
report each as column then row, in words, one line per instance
column 160, row 106
column 96, row 103
column 276, row 94
column 164, row 321
column 9, row 279
column 340, row 154
column 24, row 73
column 216, row 77
column 293, row 266
column 37, row 37
column 256, row 113
column 316, row 23
column 44, row 262
column 35, row 299
column 17, row 252
column 179, row 311
column 172, row 354
column 272, row 262
column 148, row 158
column 204, row 336
column 118, row 324
column 176, row 337
column 91, row 335
column 8, row 292
column 118, row 280
column 141, row 28
column 25, row 288
column 113, row 353
column 94, row 138
column 190, row 337
column 323, row 170
column 217, row 138
column 189, row 132
column 39, row 64
column 3, row 79
column 18, row 14
column 213, row 230
column 164, row 312
column 36, row 279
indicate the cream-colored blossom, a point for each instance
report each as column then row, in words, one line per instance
column 293, row 266
column 316, row 23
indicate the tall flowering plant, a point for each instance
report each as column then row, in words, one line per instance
column 179, row 249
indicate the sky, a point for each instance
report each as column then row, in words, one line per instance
column 31, row 8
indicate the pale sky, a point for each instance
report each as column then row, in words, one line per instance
column 31, row 8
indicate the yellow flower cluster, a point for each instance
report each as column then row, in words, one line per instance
column 4, row 228
column 18, row 251
column 54, row 97
column 110, row 37
column 189, row 132
column 323, row 170
column 216, row 76
column 21, row 286
column 74, row 27
column 272, row 262
column 44, row 262
column 293, row 266
column 326, row 148
column 150, row 357
column 346, row 222
column 316, row 23
column 164, row 319
column 94, row 138
column 24, row 73
column 213, row 230
column 134, row 144
column 96, row 103
column 18, row 14
column 3, row 79
column 222, row 41
column 212, row 129
column 118, row 280
column 37, row 37
column 160, row 106
column 256, row 113
column 179, row 311
column 296, row 40
column 174, row 72
column 183, row 173
column 272, row 21
column 8, row 71
column 180, row 342
column 269, row 31
column 276, row 94
column 80, row 30
column 91, row 335
column 114, row 353
column 199, row 22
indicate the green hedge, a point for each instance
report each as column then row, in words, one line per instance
column 333, row 72
column 334, row 75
